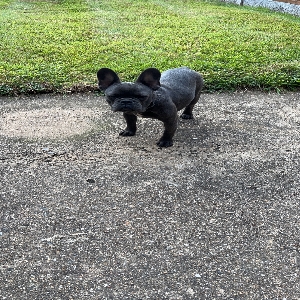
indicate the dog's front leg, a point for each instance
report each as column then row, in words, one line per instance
column 131, row 125
column 170, row 127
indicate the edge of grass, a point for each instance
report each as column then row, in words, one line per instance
column 58, row 46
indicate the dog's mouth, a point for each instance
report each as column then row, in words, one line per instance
column 131, row 112
column 126, row 106
column 124, row 109
column 130, row 107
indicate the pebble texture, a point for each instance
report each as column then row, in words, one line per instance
column 86, row 214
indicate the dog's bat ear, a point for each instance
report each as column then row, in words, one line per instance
column 151, row 78
column 106, row 77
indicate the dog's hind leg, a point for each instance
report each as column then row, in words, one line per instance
column 188, row 111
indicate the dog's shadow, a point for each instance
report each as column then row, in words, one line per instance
column 190, row 133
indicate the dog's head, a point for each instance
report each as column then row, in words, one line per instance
column 133, row 97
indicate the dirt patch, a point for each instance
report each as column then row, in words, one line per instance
column 47, row 123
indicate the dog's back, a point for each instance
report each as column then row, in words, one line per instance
column 183, row 84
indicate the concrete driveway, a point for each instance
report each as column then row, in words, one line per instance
column 86, row 214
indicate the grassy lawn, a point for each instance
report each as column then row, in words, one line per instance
column 59, row 45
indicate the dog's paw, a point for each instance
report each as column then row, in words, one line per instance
column 186, row 116
column 164, row 143
column 127, row 133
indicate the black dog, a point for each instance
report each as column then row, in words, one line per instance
column 153, row 95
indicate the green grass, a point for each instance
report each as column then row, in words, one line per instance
column 59, row 45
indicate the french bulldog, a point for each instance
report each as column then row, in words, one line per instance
column 153, row 95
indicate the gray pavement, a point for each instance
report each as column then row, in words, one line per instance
column 86, row 214
column 284, row 6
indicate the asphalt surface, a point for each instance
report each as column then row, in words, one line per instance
column 86, row 214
